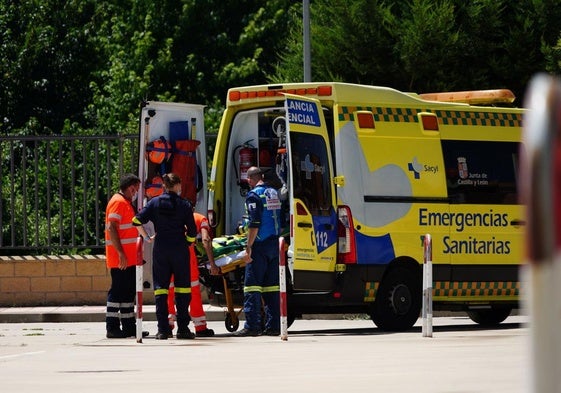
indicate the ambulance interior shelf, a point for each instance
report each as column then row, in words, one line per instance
column 272, row 146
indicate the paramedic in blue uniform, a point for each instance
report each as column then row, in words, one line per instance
column 175, row 229
column 262, row 261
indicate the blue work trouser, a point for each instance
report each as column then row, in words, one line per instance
column 171, row 259
column 120, row 300
column 262, row 282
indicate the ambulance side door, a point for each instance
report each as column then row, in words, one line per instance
column 313, row 210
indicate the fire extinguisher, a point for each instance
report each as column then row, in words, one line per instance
column 247, row 157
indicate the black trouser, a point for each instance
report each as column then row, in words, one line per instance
column 120, row 300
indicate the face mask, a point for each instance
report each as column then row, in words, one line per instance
column 134, row 196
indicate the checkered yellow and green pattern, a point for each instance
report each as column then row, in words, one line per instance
column 445, row 117
column 371, row 289
column 460, row 289
column 476, row 288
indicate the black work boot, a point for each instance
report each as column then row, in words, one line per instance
column 183, row 333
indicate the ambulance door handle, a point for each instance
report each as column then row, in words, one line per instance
column 305, row 224
column 517, row 223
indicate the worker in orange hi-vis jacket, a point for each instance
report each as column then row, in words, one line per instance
column 196, row 306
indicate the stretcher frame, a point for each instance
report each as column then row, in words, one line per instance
column 233, row 310
column 232, row 320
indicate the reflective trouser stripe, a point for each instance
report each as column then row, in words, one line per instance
column 118, row 313
column 199, row 321
column 182, row 290
column 252, row 288
column 273, row 288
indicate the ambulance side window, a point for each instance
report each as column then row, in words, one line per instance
column 480, row 172
column 311, row 177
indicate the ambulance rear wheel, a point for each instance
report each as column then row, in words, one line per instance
column 489, row 317
column 232, row 323
column 398, row 300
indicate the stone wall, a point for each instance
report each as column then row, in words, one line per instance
column 65, row 280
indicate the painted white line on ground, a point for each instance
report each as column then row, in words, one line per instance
column 20, row 354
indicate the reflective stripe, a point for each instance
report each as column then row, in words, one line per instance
column 115, row 215
column 191, row 239
column 199, row 321
column 113, row 305
column 123, row 241
column 273, row 288
column 127, row 305
column 182, row 290
column 194, row 283
column 127, row 315
column 112, row 315
column 125, row 226
column 253, row 288
column 161, row 291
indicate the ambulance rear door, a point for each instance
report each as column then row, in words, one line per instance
column 181, row 126
column 313, row 213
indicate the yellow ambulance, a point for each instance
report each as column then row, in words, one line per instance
column 367, row 172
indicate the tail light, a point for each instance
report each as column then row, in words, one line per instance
column 346, row 252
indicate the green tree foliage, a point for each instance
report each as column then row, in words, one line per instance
column 46, row 64
column 427, row 45
column 181, row 50
column 85, row 66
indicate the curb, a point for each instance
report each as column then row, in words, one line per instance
column 83, row 314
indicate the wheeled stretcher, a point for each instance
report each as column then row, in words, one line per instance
column 226, row 290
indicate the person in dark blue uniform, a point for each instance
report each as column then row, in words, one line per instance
column 262, row 260
column 175, row 229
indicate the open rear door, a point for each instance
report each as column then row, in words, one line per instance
column 313, row 213
column 182, row 126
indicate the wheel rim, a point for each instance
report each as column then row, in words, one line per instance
column 400, row 299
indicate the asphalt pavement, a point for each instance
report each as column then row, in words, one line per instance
column 321, row 355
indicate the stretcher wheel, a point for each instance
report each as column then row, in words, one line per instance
column 232, row 322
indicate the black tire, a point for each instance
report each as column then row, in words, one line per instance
column 489, row 317
column 398, row 300
column 232, row 323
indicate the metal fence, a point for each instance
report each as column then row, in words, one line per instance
column 55, row 189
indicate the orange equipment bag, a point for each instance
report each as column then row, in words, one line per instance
column 158, row 150
column 155, row 187
column 184, row 164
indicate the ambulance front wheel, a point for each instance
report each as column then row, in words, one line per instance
column 232, row 323
column 398, row 300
